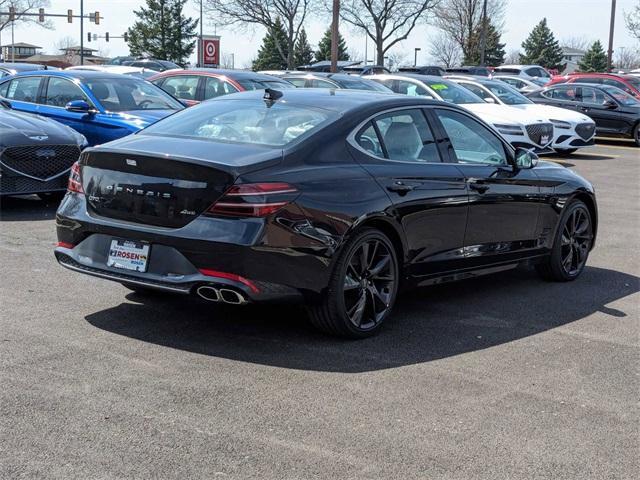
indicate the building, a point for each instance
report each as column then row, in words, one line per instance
column 22, row 51
column 572, row 56
column 69, row 56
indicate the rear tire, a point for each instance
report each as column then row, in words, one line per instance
column 362, row 289
column 566, row 151
column 571, row 245
column 636, row 135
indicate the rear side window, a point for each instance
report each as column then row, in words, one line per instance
column 315, row 83
column 214, row 87
column 592, row 96
column 411, row 89
column 23, row 89
column 565, row 92
column 61, row 91
column 368, row 139
column 471, row 141
column 181, row 86
column 406, row 137
column 298, row 82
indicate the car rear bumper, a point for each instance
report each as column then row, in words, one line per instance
column 263, row 261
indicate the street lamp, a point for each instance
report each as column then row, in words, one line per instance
column 415, row 56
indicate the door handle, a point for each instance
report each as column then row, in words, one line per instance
column 400, row 188
column 478, row 185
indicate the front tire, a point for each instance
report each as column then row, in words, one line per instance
column 362, row 289
column 571, row 246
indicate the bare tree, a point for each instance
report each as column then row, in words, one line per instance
column 579, row 43
column 513, row 57
column 461, row 19
column 246, row 13
column 64, row 43
column 21, row 8
column 395, row 59
column 632, row 21
column 386, row 22
column 627, row 59
column 227, row 60
column 444, row 50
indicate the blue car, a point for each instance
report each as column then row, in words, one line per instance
column 101, row 106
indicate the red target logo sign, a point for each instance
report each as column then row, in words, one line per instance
column 211, row 50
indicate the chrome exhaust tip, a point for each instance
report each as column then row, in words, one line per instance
column 208, row 293
column 232, row 297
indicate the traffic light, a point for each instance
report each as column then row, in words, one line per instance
column 69, row 16
column 12, row 14
column 41, row 15
column 89, row 37
column 106, row 36
column 125, row 35
column 96, row 17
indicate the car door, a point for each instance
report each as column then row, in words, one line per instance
column 399, row 149
column 591, row 103
column 23, row 93
column 504, row 201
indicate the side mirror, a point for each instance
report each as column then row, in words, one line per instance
column 609, row 104
column 79, row 106
column 489, row 100
column 5, row 103
column 525, row 159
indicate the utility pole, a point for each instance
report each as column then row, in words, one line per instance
column 81, row 32
column 611, row 28
column 334, row 36
column 483, row 37
column 200, row 49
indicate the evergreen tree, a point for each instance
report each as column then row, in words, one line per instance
column 302, row 52
column 163, row 31
column 269, row 58
column 324, row 48
column 494, row 50
column 594, row 60
column 541, row 48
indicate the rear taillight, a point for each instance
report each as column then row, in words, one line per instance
column 75, row 180
column 254, row 199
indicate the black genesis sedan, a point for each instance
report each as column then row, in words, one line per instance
column 36, row 153
column 335, row 197
column 615, row 112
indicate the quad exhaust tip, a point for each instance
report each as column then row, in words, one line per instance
column 223, row 295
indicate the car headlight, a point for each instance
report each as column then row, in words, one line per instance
column 560, row 124
column 81, row 140
column 509, row 129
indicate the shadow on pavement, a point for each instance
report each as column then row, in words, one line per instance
column 27, row 207
column 429, row 323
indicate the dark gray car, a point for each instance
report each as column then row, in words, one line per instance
column 36, row 153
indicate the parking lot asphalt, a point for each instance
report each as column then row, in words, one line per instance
column 505, row 377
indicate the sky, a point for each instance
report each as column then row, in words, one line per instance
column 566, row 18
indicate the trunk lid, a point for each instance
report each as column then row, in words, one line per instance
column 150, row 180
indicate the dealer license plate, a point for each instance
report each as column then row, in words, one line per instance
column 544, row 139
column 128, row 255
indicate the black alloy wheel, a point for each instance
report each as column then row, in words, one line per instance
column 572, row 245
column 363, row 287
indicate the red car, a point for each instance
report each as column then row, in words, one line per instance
column 197, row 85
column 628, row 83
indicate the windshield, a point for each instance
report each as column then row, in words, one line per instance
column 261, row 84
column 128, row 94
column 453, row 93
column 507, row 94
column 621, row 96
column 244, row 122
column 356, row 83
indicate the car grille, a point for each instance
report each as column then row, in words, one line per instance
column 538, row 130
column 40, row 161
column 586, row 130
column 14, row 184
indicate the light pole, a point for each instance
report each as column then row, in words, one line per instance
column 200, row 52
column 483, row 40
column 81, row 32
column 415, row 56
column 611, row 27
column 334, row 36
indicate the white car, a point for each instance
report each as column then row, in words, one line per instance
column 520, row 128
column 523, row 85
column 121, row 69
column 573, row 130
column 524, row 71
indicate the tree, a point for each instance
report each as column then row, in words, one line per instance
column 22, row 7
column 163, row 31
column 627, row 59
column 595, row 60
column 302, row 52
column 444, row 50
column 386, row 22
column 513, row 57
column 290, row 13
column 324, row 47
column 269, row 56
column 541, row 48
column 494, row 50
column 461, row 20
column 632, row 20
column 579, row 43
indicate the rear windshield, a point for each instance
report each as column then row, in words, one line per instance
column 507, row 94
column 453, row 93
column 261, row 84
column 357, row 83
column 633, row 81
column 244, row 121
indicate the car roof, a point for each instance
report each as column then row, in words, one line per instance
column 598, row 74
column 22, row 66
column 81, row 75
column 218, row 72
column 339, row 100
